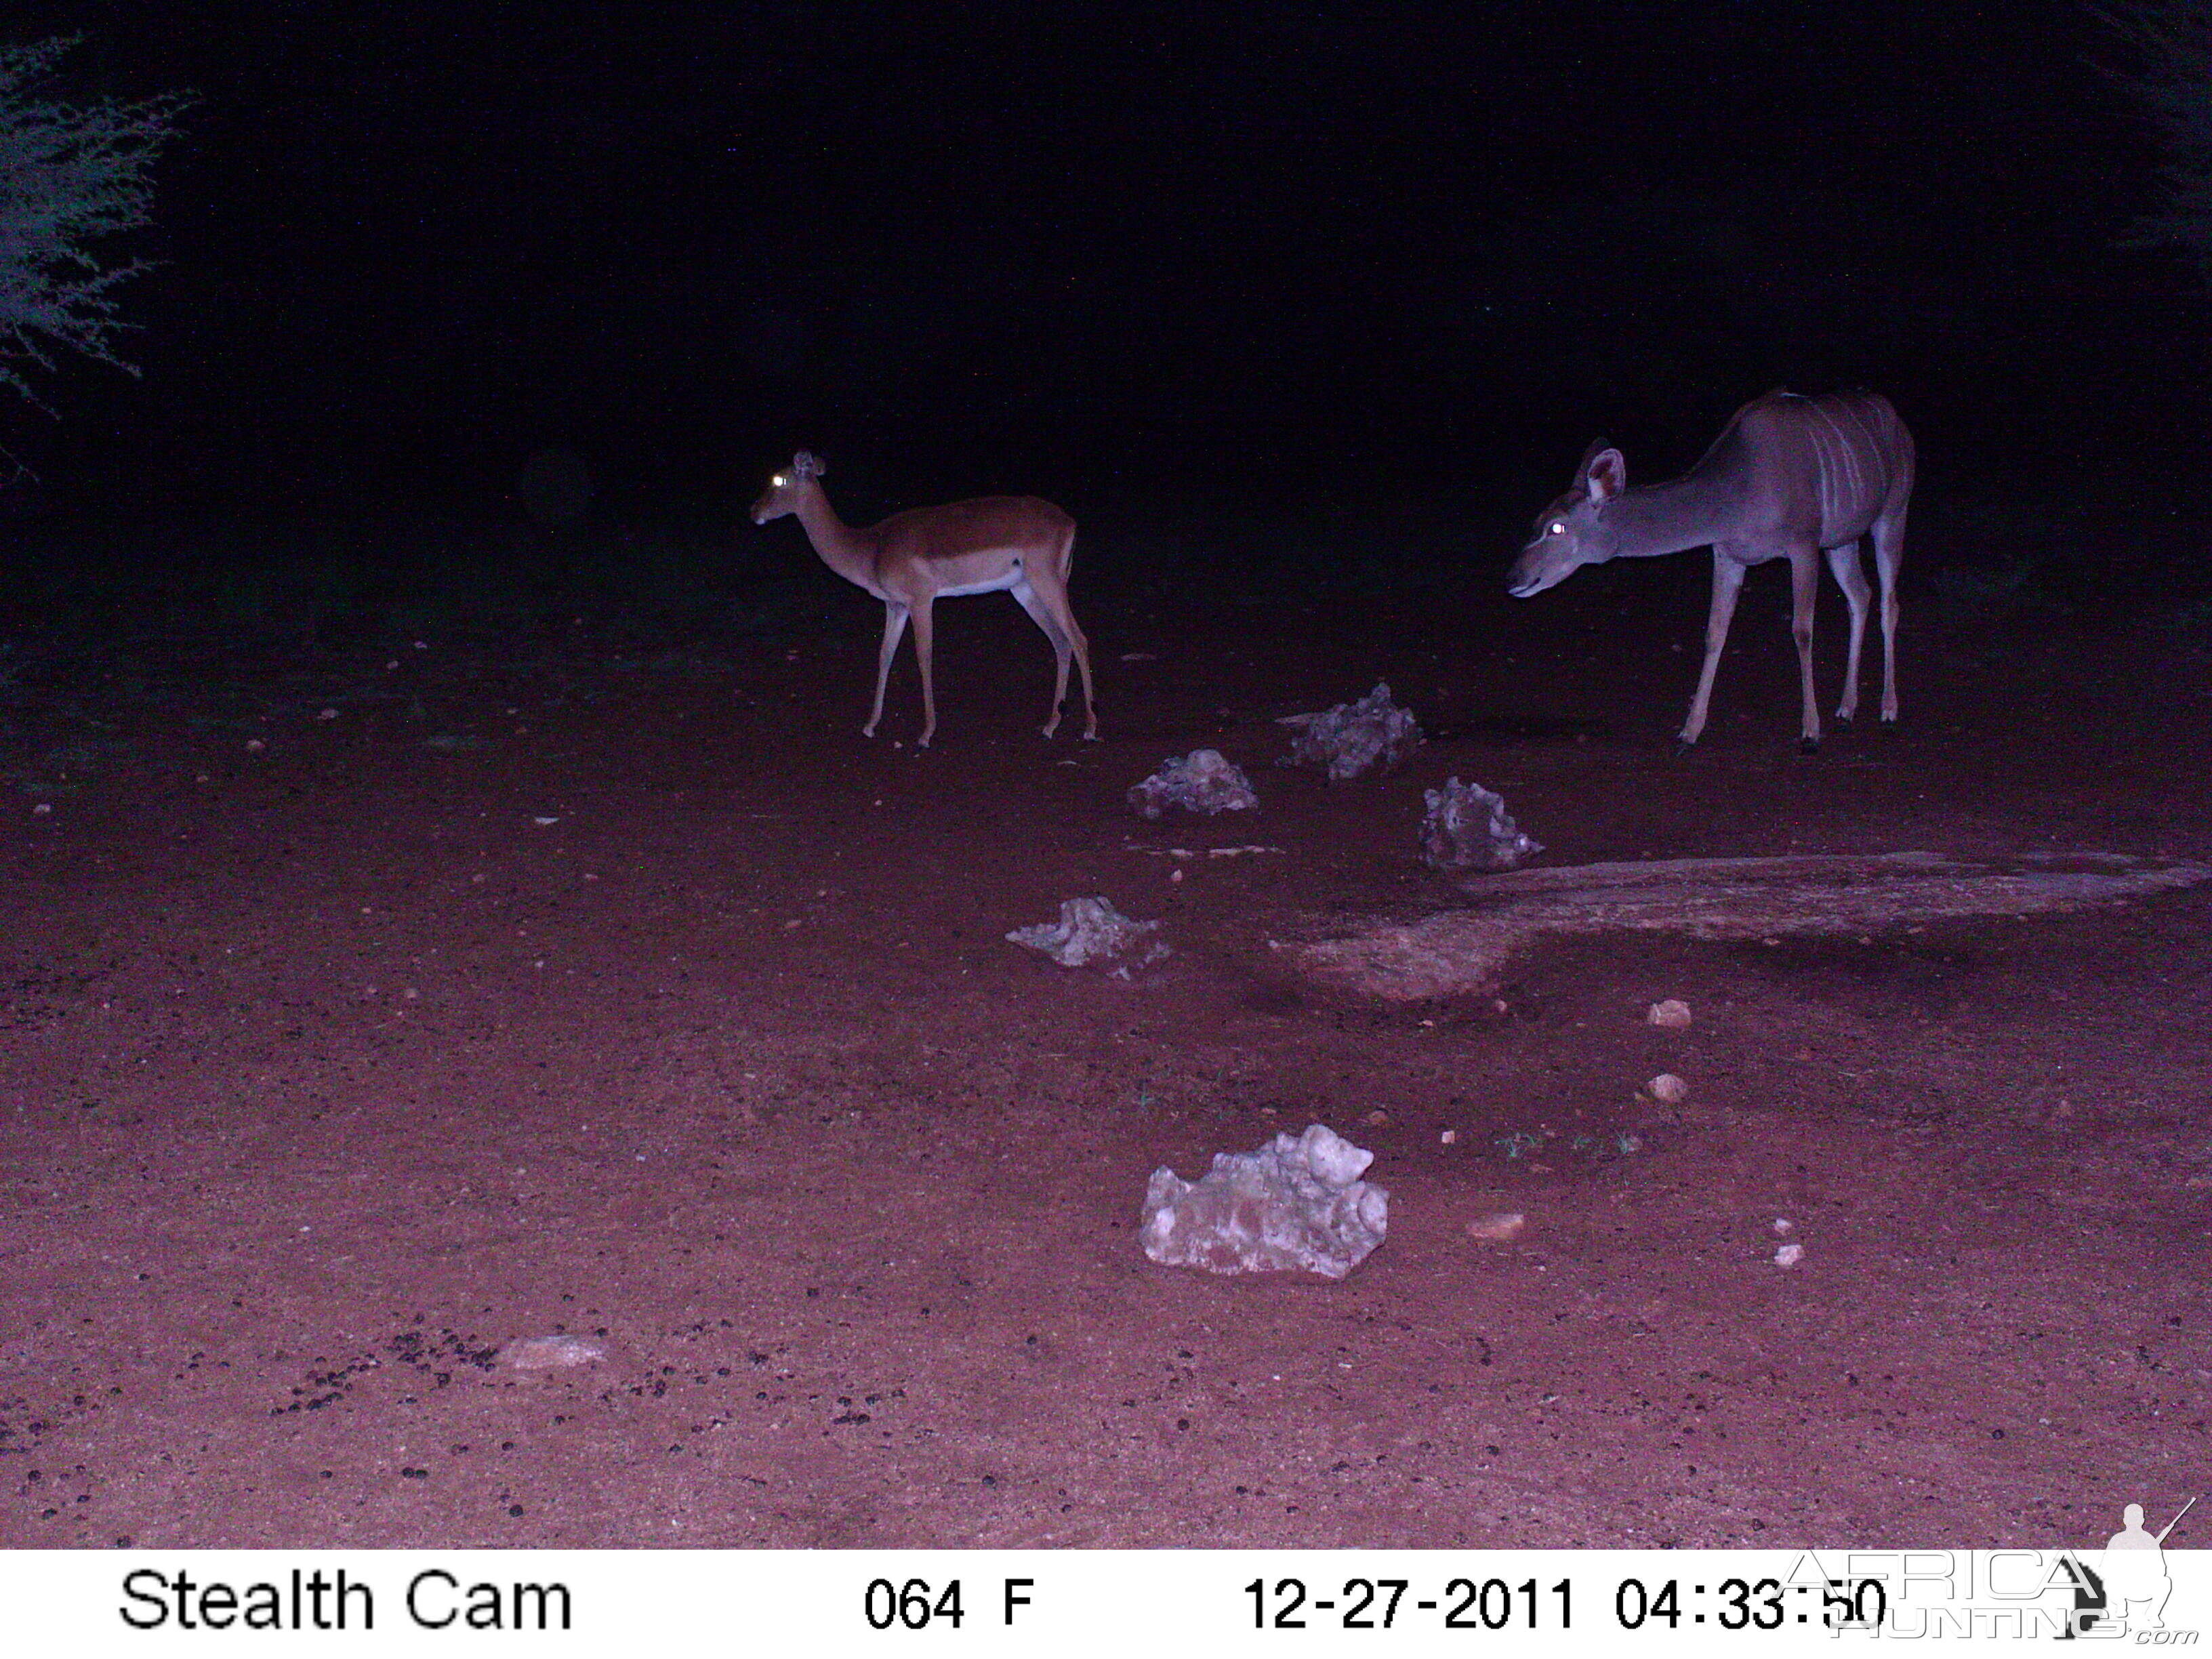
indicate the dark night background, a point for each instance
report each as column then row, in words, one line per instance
column 1266, row 263
column 435, row 921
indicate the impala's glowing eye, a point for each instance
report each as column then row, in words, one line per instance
column 1558, row 527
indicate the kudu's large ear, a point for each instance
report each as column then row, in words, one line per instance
column 808, row 465
column 1605, row 473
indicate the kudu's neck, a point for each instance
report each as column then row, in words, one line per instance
column 843, row 548
column 1695, row 510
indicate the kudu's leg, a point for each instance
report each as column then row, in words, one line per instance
column 1727, row 582
column 1851, row 576
column 1804, row 595
column 1888, row 554
column 894, row 631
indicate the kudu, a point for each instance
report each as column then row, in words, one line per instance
column 914, row 558
column 1789, row 478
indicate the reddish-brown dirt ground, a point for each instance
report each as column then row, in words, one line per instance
column 653, row 1004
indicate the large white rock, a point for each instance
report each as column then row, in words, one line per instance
column 1092, row 933
column 1294, row 1203
column 1203, row 780
column 1349, row 739
column 1468, row 828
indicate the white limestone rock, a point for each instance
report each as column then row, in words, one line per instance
column 1294, row 1203
column 1092, row 933
column 1349, row 739
column 1468, row 828
column 1204, row 780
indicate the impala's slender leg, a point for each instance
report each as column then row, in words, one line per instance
column 1083, row 662
column 1804, row 595
column 1851, row 576
column 1044, row 593
column 894, row 631
column 924, row 637
column 1727, row 582
column 1888, row 554
column 1055, row 598
column 1026, row 597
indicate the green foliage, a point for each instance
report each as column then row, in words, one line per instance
column 2171, row 44
column 71, row 175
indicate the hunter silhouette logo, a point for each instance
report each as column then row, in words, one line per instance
column 2127, row 1588
column 2135, row 1578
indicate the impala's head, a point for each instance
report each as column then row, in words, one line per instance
column 781, row 496
column 1571, row 533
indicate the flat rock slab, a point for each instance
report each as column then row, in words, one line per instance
column 1461, row 953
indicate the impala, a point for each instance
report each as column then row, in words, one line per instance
column 1788, row 477
column 913, row 559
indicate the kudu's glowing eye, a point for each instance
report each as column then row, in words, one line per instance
column 777, row 481
column 1558, row 527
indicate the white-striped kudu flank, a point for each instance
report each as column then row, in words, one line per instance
column 1788, row 477
column 913, row 559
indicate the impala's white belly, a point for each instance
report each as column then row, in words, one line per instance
column 1012, row 578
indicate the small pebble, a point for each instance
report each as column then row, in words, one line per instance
column 1789, row 1255
column 1498, row 1227
column 1671, row 1013
column 537, row 1353
column 1668, row 1089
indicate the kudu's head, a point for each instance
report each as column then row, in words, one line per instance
column 781, row 496
column 1571, row 531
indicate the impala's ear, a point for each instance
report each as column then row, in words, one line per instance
column 1605, row 474
column 807, row 465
